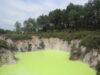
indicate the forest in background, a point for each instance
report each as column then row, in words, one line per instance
column 73, row 18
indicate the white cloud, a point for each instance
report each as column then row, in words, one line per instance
column 19, row 10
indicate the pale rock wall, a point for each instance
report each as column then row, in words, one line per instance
column 7, row 57
column 92, row 58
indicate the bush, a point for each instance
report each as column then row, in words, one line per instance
column 3, row 44
column 16, row 37
column 98, row 68
column 91, row 42
column 98, row 73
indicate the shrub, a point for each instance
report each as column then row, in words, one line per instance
column 91, row 42
column 3, row 44
column 98, row 73
column 98, row 68
column 16, row 37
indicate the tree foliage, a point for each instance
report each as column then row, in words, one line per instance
column 18, row 27
column 74, row 17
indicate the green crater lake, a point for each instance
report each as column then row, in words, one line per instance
column 46, row 62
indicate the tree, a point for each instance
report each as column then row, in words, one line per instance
column 43, row 22
column 56, row 19
column 30, row 26
column 92, row 16
column 18, row 27
column 75, row 16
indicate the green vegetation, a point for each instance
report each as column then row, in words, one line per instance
column 18, row 27
column 91, row 42
column 15, row 37
column 2, row 31
column 90, row 39
column 98, row 68
column 74, row 17
column 3, row 44
column 98, row 73
column 41, row 45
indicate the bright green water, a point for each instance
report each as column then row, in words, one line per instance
column 47, row 62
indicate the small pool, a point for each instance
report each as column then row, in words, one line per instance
column 46, row 62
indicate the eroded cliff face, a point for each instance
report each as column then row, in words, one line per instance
column 77, row 52
column 7, row 57
column 45, row 43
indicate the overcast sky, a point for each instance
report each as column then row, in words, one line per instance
column 20, row 10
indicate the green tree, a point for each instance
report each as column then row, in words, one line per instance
column 92, row 16
column 30, row 26
column 43, row 22
column 18, row 27
column 56, row 19
column 75, row 15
